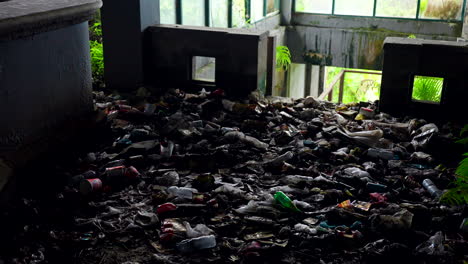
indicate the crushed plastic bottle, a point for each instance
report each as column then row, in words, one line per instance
column 432, row 188
column 305, row 229
column 380, row 154
column 195, row 244
column 285, row 201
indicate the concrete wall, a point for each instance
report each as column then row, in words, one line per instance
column 356, row 42
column 44, row 80
column 123, row 26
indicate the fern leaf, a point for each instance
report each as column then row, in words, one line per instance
column 462, row 169
column 464, row 130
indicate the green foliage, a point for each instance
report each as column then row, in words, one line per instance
column 357, row 86
column 458, row 195
column 97, row 54
column 96, row 29
column 427, row 88
column 283, row 57
column 412, row 36
column 97, row 59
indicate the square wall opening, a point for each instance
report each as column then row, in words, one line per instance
column 427, row 89
column 204, row 69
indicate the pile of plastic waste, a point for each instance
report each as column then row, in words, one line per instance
column 198, row 178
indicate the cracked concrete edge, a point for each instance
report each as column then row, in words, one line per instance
column 31, row 24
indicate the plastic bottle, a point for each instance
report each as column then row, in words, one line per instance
column 305, row 229
column 194, row 244
column 285, row 201
column 380, row 154
column 246, row 139
column 182, row 192
column 280, row 159
column 432, row 188
column 166, row 149
column 356, row 172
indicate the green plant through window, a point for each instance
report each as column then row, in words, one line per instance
column 357, row 86
column 427, row 88
column 96, row 49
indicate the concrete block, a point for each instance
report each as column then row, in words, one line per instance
column 241, row 57
column 404, row 58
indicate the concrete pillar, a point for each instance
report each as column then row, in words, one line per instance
column 315, row 81
column 308, row 80
column 286, row 12
column 465, row 24
column 124, row 23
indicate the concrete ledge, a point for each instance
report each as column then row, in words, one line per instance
column 22, row 18
column 377, row 24
column 394, row 41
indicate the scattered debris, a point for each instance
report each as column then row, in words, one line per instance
column 196, row 178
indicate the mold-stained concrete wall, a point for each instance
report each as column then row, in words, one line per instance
column 356, row 42
column 44, row 80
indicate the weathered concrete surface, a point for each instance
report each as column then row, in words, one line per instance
column 44, row 80
column 240, row 57
column 356, row 42
column 20, row 18
column 405, row 58
column 124, row 23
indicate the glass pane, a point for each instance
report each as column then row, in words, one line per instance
column 256, row 9
column 396, row 8
column 193, row 12
column 167, row 11
column 238, row 13
column 219, row 13
column 271, row 6
column 354, row 8
column 314, row 6
column 441, row 9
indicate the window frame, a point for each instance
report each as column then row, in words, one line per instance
column 417, row 15
column 207, row 8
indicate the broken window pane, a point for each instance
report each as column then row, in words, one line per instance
column 193, row 12
column 441, row 9
column 314, row 6
column 397, row 8
column 167, row 11
column 355, row 7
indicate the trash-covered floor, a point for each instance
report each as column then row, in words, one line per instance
column 197, row 178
